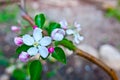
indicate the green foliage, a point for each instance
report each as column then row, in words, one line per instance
column 35, row 69
column 40, row 20
column 19, row 74
column 22, row 48
column 1, row 53
column 51, row 74
column 26, row 30
column 66, row 43
column 59, row 55
column 52, row 26
column 113, row 13
column 4, row 61
column 8, row 14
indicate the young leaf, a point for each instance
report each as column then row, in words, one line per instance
column 59, row 55
column 22, row 48
column 40, row 20
column 66, row 43
column 35, row 69
column 19, row 74
column 52, row 26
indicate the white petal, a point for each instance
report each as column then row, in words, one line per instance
column 43, row 51
column 32, row 51
column 37, row 34
column 61, row 31
column 77, row 25
column 28, row 40
column 69, row 31
column 76, row 40
column 63, row 24
column 56, row 32
column 80, row 37
column 45, row 41
column 58, row 37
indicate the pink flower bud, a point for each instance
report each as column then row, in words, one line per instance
column 18, row 41
column 34, row 27
column 15, row 29
column 24, row 57
column 51, row 49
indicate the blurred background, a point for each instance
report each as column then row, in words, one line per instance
column 100, row 22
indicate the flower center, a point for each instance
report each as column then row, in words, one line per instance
column 36, row 44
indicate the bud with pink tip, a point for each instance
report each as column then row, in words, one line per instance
column 51, row 49
column 34, row 27
column 15, row 29
column 24, row 57
column 18, row 41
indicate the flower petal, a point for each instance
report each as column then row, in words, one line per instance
column 81, row 38
column 61, row 31
column 32, row 51
column 28, row 40
column 58, row 37
column 69, row 31
column 58, row 34
column 77, row 25
column 63, row 24
column 37, row 34
column 24, row 56
column 43, row 51
column 18, row 41
column 45, row 41
column 76, row 40
column 54, row 32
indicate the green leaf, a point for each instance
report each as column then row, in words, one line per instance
column 59, row 55
column 66, row 43
column 52, row 26
column 35, row 69
column 51, row 74
column 22, row 48
column 19, row 74
column 4, row 61
column 40, row 20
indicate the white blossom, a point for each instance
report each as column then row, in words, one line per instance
column 72, row 31
column 37, row 42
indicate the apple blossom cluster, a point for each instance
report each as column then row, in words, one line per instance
column 40, row 44
column 37, row 42
column 74, row 31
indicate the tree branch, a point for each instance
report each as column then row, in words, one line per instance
column 79, row 52
column 98, row 62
